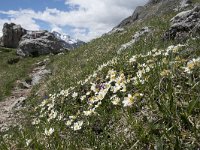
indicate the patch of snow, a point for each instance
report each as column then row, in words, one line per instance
column 65, row 38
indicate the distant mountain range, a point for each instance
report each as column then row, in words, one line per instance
column 74, row 42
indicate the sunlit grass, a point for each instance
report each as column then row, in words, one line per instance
column 145, row 98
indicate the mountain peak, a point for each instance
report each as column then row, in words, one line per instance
column 67, row 38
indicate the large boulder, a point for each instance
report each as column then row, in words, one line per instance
column 36, row 43
column 183, row 25
column 12, row 34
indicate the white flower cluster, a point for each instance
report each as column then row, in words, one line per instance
column 191, row 65
column 100, row 68
column 112, row 87
column 49, row 131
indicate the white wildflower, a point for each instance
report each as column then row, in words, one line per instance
column 101, row 94
column 111, row 75
column 72, row 117
column 74, row 95
column 116, row 88
column 36, row 121
column 177, row 48
column 89, row 112
column 69, row 122
column 88, row 93
column 115, row 100
column 60, row 117
column 28, row 142
column 50, row 106
column 93, row 88
column 132, row 59
column 49, row 132
column 64, row 93
column 52, row 115
column 83, row 97
column 128, row 101
column 77, row 125
column 44, row 103
column 192, row 64
column 147, row 69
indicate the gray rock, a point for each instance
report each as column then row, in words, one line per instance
column 152, row 8
column 153, row 2
column 18, row 104
column 36, row 43
column 183, row 25
column 42, row 63
column 185, row 3
column 12, row 34
column 38, row 74
column 116, row 30
column 196, row 30
column 136, row 37
column 23, row 85
column 135, row 16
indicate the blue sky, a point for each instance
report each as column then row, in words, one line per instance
column 83, row 19
column 32, row 4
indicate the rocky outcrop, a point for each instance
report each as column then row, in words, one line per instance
column 36, row 43
column 116, row 30
column 183, row 25
column 185, row 3
column 152, row 8
column 12, row 34
column 135, row 16
column 136, row 37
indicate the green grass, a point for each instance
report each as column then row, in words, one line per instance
column 75, row 66
column 9, row 73
column 164, row 113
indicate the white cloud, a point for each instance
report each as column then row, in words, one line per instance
column 56, row 28
column 22, row 17
column 89, row 19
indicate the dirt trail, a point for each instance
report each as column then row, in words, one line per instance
column 9, row 114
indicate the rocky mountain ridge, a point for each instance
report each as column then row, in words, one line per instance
column 154, row 8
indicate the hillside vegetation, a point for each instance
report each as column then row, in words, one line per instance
column 13, row 68
column 145, row 98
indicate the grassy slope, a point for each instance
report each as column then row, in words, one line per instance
column 9, row 73
column 166, row 116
